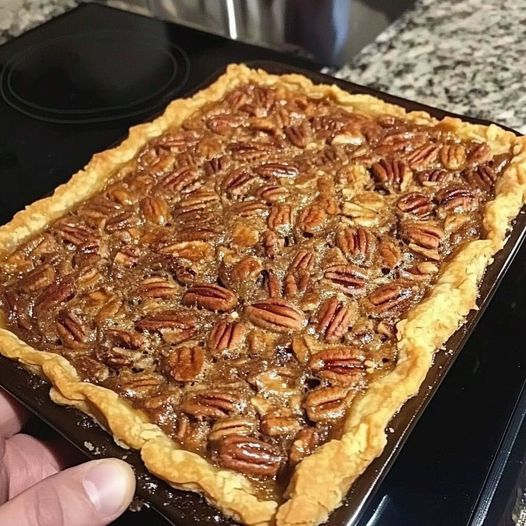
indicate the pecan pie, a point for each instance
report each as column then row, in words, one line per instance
column 248, row 288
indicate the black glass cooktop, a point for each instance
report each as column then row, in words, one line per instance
column 74, row 86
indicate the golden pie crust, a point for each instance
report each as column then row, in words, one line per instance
column 319, row 482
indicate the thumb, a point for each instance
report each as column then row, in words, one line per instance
column 92, row 494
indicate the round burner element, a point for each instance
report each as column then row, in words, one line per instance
column 94, row 77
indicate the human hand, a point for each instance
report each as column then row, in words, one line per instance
column 34, row 491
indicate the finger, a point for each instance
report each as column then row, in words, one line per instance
column 12, row 415
column 92, row 494
column 28, row 461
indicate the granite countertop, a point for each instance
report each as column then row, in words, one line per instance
column 467, row 56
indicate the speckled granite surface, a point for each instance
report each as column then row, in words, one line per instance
column 17, row 16
column 465, row 56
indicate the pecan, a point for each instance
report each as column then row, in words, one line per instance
column 190, row 157
column 139, row 385
column 277, row 169
column 76, row 234
column 432, row 177
column 125, row 338
column 341, row 365
column 249, row 208
column 237, row 181
column 272, row 193
column 226, row 336
column 232, row 426
column 88, row 276
column 162, row 165
column 276, row 426
column 417, row 204
column 400, row 141
column 96, row 211
column 426, row 235
column 424, row 238
column 223, row 124
column 19, row 307
column 280, row 216
column 117, row 357
column 247, row 268
column 140, row 184
column 391, row 299
column 294, row 283
column 302, row 261
column 263, row 124
column 37, row 279
column 349, row 278
column 272, row 243
column 159, row 405
column 173, row 141
column 184, row 275
column 387, row 121
column 326, row 126
column 236, row 98
column 184, row 430
column 249, row 456
column 422, row 271
column 279, row 381
column 453, row 156
column 174, row 326
column 110, row 308
column 483, row 176
column 275, row 315
column 121, row 221
column 185, row 363
column 272, row 284
column 93, row 370
column 264, row 98
column 335, row 154
column 457, row 198
column 88, row 253
column 200, row 228
column 196, row 202
column 119, row 193
column 56, row 293
column 127, row 256
column 249, row 151
column 155, row 210
column 311, row 219
column 328, row 403
column 182, row 180
column 357, row 244
column 390, row 173
column 71, row 329
column 480, row 153
column 423, row 156
column 195, row 250
column 210, row 297
column 299, row 135
column 211, row 404
column 216, row 165
column 158, row 287
column 333, row 319
column 304, row 444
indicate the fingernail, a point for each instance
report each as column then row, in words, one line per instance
column 109, row 486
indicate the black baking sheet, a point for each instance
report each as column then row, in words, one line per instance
column 184, row 508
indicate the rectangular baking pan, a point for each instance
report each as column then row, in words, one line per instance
column 186, row 508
